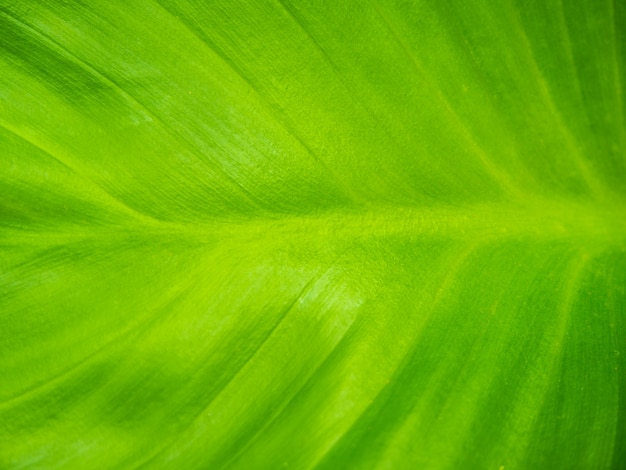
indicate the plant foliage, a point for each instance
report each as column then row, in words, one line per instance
column 263, row 234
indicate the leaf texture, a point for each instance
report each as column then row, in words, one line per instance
column 270, row 234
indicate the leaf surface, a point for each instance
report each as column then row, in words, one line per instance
column 279, row 234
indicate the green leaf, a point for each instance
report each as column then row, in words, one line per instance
column 313, row 234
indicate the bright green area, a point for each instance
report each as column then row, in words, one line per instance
column 264, row 234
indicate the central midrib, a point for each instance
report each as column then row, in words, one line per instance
column 599, row 224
